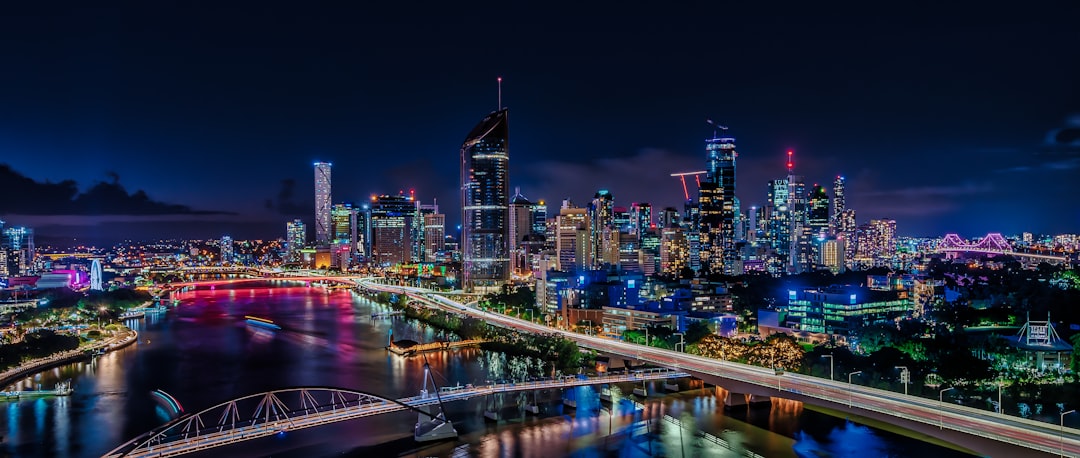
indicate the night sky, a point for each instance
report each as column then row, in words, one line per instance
column 946, row 118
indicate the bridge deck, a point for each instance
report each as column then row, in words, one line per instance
column 299, row 417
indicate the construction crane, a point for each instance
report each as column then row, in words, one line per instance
column 682, row 176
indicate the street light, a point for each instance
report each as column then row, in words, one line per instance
column 682, row 342
column 1061, row 434
column 941, row 402
column 1001, row 408
column 849, row 388
column 830, row 356
column 588, row 330
column 905, row 377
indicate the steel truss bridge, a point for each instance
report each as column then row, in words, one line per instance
column 991, row 244
column 273, row 412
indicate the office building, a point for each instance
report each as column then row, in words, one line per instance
column 322, row 203
column 391, row 220
column 485, row 172
column 295, row 239
column 716, row 202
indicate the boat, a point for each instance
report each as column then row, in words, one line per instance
column 261, row 322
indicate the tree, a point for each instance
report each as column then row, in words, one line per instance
column 697, row 331
column 876, row 337
column 714, row 346
column 779, row 351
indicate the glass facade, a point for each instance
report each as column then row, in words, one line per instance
column 485, row 173
column 322, row 203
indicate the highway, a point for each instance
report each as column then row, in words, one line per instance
column 1031, row 434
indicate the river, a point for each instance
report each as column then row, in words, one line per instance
column 203, row 353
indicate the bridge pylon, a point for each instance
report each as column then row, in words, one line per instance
column 432, row 426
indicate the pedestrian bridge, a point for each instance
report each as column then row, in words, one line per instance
column 275, row 412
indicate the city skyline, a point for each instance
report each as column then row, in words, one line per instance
column 960, row 142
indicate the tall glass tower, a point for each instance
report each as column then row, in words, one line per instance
column 717, row 201
column 485, row 196
column 322, row 203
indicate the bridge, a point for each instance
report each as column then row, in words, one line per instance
column 992, row 244
column 982, row 431
column 275, row 412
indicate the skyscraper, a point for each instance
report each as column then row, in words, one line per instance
column 601, row 226
column 295, row 238
column 343, row 218
column 838, row 203
column 322, row 203
column 572, row 239
column 716, row 198
column 521, row 224
column 391, row 224
column 640, row 218
column 434, row 235
column 818, row 217
column 485, row 171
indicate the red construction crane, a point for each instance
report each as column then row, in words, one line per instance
column 682, row 176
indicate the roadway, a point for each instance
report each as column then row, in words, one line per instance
column 1022, row 432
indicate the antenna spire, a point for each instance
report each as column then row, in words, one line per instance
column 790, row 162
column 499, row 80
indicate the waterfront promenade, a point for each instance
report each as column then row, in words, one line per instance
column 120, row 340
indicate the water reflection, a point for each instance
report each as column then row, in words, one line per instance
column 204, row 352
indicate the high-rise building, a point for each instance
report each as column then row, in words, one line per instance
column 485, row 172
column 226, row 249
column 640, row 218
column 799, row 252
column 839, row 204
column 322, row 203
column 539, row 217
column 434, row 236
column 830, row 254
column 521, row 227
column 674, row 251
column 343, row 230
column 778, row 225
column 295, row 239
column 876, row 243
column 668, row 218
column 716, row 200
column 572, row 239
column 818, row 216
column 391, row 220
column 601, row 227
column 20, row 250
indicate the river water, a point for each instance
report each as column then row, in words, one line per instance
column 203, row 353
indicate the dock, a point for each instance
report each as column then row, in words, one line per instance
column 409, row 347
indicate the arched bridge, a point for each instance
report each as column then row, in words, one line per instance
column 266, row 414
column 993, row 244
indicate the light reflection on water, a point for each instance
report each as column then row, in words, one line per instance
column 203, row 353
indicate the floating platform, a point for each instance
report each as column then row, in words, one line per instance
column 61, row 389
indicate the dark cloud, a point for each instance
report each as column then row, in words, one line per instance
column 29, row 197
column 1059, row 151
column 285, row 202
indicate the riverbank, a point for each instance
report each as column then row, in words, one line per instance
column 567, row 356
column 34, row 366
